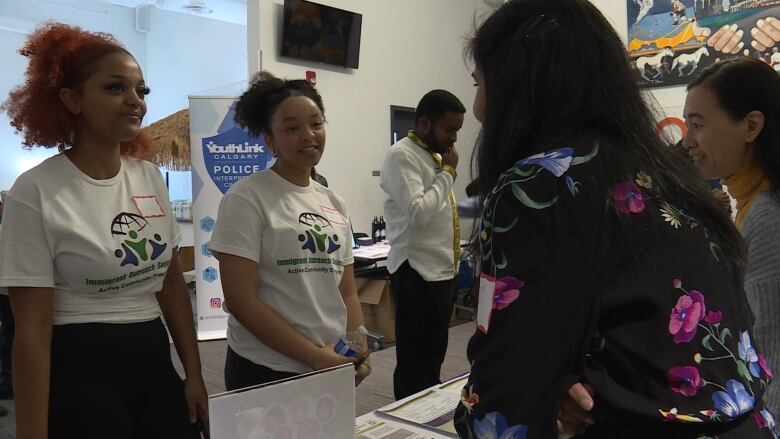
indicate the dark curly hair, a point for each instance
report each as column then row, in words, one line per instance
column 258, row 104
column 61, row 56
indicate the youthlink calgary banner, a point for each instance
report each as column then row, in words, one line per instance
column 222, row 154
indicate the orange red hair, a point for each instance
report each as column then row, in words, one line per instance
column 61, row 56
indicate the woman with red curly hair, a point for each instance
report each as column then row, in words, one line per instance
column 88, row 253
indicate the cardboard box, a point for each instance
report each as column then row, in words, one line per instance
column 378, row 306
column 186, row 258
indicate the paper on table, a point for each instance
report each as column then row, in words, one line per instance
column 455, row 384
column 381, row 249
column 370, row 426
column 378, row 250
column 434, row 408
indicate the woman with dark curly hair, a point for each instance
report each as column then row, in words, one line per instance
column 88, row 253
column 283, row 246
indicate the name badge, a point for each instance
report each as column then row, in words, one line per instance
column 333, row 215
column 148, row 206
column 487, row 289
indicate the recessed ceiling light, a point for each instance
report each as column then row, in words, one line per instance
column 197, row 7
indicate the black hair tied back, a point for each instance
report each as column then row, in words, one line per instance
column 256, row 106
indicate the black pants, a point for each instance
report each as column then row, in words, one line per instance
column 422, row 318
column 240, row 372
column 115, row 381
column 7, row 330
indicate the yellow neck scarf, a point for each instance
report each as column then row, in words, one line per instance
column 453, row 205
column 744, row 186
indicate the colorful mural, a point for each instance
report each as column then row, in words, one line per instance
column 670, row 40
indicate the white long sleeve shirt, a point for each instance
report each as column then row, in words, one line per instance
column 418, row 212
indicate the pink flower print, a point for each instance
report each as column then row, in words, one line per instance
column 507, row 291
column 684, row 380
column 677, row 283
column 628, row 197
column 713, row 317
column 685, row 316
column 765, row 367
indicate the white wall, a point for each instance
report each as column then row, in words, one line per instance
column 188, row 54
column 407, row 48
column 15, row 160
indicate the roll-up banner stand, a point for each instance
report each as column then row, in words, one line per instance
column 222, row 154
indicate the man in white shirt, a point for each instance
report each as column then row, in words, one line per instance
column 422, row 226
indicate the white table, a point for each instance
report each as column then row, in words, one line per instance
column 380, row 250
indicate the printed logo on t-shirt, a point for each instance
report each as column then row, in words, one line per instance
column 136, row 245
column 319, row 236
column 139, row 252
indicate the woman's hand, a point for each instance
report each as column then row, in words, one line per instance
column 197, row 402
column 573, row 417
column 362, row 372
column 363, row 369
column 325, row 357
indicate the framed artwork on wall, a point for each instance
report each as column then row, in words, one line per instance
column 669, row 41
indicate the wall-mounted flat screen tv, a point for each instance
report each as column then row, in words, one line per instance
column 320, row 33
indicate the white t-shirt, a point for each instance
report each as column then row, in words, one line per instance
column 103, row 245
column 299, row 237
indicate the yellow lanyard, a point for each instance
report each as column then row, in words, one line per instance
column 453, row 205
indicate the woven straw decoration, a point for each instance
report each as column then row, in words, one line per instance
column 170, row 138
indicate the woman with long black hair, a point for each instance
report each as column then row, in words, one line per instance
column 604, row 257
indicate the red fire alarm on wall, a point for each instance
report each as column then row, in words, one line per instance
column 311, row 77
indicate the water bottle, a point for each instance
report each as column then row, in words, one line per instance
column 374, row 229
column 351, row 344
